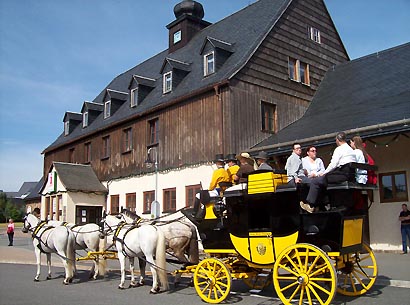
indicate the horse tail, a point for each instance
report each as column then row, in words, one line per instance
column 160, row 260
column 102, row 262
column 193, row 246
column 70, row 253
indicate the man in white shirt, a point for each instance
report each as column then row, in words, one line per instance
column 337, row 171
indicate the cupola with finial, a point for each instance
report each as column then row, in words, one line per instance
column 188, row 22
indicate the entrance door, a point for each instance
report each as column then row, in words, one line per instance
column 88, row 214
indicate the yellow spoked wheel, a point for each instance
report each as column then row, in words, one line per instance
column 304, row 274
column 212, row 280
column 357, row 272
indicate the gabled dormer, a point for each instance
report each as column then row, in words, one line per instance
column 113, row 100
column 71, row 121
column 140, row 87
column 173, row 72
column 90, row 112
column 215, row 52
column 188, row 22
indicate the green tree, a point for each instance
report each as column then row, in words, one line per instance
column 9, row 210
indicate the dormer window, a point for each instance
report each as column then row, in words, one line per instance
column 167, row 82
column 107, row 109
column 134, row 97
column 209, row 63
column 314, row 34
column 177, row 36
column 85, row 119
column 66, row 128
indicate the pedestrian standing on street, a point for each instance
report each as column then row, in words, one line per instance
column 405, row 226
column 10, row 231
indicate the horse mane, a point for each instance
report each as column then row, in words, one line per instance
column 130, row 214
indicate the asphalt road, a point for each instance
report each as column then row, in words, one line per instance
column 17, row 287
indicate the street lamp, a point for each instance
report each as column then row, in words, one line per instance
column 155, row 206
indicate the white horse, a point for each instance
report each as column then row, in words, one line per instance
column 87, row 237
column 180, row 235
column 132, row 241
column 47, row 239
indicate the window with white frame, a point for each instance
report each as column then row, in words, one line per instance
column 209, row 63
column 107, row 109
column 66, row 128
column 167, row 83
column 85, row 119
column 134, row 97
column 177, row 36
column 298, row 71
column 314, row 34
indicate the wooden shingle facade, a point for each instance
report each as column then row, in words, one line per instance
column 221, row 88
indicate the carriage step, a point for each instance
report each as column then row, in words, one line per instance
column 263, row 274
column 255, row 291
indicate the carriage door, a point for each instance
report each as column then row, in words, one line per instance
column 88, row 214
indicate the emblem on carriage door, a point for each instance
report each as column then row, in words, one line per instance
column 261, row 248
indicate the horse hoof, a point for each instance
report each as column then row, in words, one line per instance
column 36, row 280
column 121, row 288
column 157, row 289
column 153, row 292
column 48, row 277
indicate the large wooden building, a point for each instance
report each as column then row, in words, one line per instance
column 218, row 88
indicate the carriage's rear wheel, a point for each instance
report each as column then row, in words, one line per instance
column 304, row 274
column 358, row 272
column 212, row 280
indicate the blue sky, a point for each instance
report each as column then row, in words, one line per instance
column 55, row 54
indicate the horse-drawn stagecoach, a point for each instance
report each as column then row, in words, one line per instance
column 257, row 233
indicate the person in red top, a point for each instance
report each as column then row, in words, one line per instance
column 10, row 231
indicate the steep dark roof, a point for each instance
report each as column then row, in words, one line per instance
column 78, row 177
column 245, row 30
column 370, row 95
column 35, row 192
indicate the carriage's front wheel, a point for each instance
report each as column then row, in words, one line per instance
column 304, row 274
column 212, row 280
column 357, row 272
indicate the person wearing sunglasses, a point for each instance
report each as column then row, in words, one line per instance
column 312, row 165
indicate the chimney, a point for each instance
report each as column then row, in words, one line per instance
column 188, row 22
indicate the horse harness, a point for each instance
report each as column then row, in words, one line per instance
column 120, row 226
column 38, row 237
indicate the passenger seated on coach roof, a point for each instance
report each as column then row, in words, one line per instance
column 219, row 175
column 312, row 165
column 337, row 171
column 247, row 166
column 294, row 168
column 233, row 167
column 356, row 144
column 261, row 159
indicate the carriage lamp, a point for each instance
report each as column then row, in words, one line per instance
column 155, row 206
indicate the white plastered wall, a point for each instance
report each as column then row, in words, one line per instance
column 179, row 179
column 390, row 156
